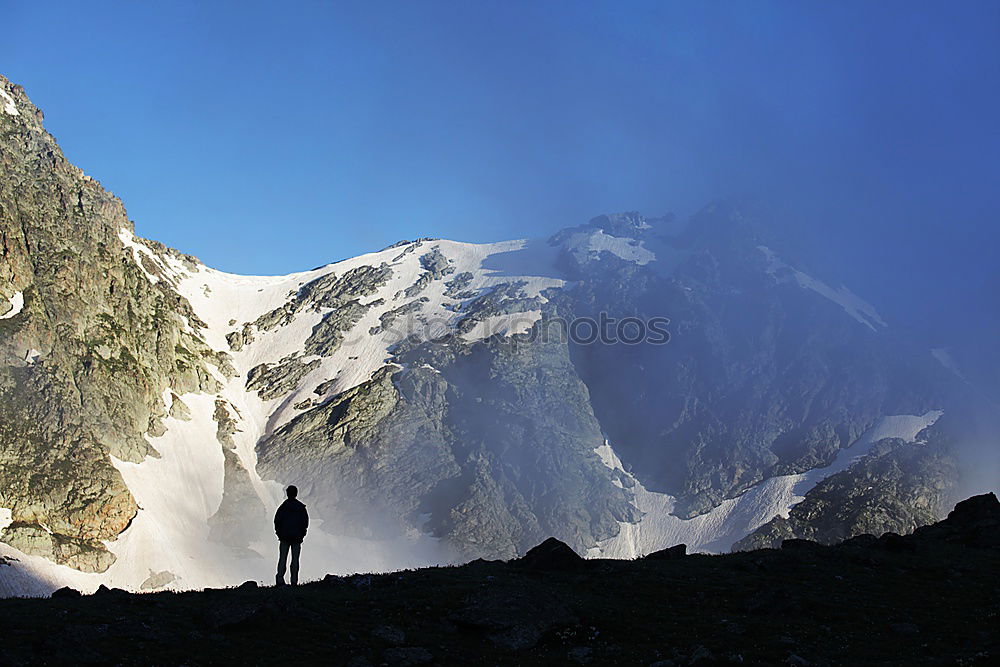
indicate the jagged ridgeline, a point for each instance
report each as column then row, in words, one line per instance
column 434, row 401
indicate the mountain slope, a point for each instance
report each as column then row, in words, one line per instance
column 434, row 401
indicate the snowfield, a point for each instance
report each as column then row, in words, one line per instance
column 591, row 243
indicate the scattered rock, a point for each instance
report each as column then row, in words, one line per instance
column 389, row 634
column 407, row 655
column 233, row 615
column 906, row 629
column 512, row 620
column 701, row 654
column 770, row 601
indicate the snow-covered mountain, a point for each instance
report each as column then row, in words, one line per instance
column 434, row 401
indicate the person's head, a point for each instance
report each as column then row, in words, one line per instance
column 292, row 491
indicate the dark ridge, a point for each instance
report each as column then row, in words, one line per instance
column 930, row 597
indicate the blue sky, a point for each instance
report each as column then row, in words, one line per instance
column 271, row 137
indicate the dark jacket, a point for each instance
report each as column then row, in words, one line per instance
column 291, row 521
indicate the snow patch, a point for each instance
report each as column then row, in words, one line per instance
column 735, row 518
column 588, row 245
column 943, row 355
column 8, row 103
column 504, row 325
column 16, row 306
column 855, row 306
column 138, row 250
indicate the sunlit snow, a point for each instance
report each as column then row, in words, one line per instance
column 8, row 103
column 16, row 305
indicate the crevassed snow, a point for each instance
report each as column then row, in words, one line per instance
column 719, row 529
column 16, row 305
column 855, row 306
column 8, row 103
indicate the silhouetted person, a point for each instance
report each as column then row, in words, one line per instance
column 290, row 524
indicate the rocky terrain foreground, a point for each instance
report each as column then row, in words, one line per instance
column 930, row 597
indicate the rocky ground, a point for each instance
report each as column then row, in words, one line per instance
column 931, row 597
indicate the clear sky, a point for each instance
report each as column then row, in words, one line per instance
column 269, row 137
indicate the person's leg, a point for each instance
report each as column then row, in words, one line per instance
column 296, row 548
column 279, row 579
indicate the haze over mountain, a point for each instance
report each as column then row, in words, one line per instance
column 434, row 400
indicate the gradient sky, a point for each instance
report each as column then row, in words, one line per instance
column 270, row 137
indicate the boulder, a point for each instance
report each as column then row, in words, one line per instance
column 976, row 510
column 895, row 542
column 551, row 555
column 66, row 592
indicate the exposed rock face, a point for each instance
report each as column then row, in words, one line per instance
column 908, row 487
column 88, row 356
column 277, row 380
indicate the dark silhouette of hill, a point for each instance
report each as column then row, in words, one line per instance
column 926, row 598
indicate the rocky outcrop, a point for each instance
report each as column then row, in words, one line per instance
column 896, row 492
column 87, row 358
column 274, row 380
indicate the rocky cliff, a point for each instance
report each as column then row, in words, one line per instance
column 89, row 344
